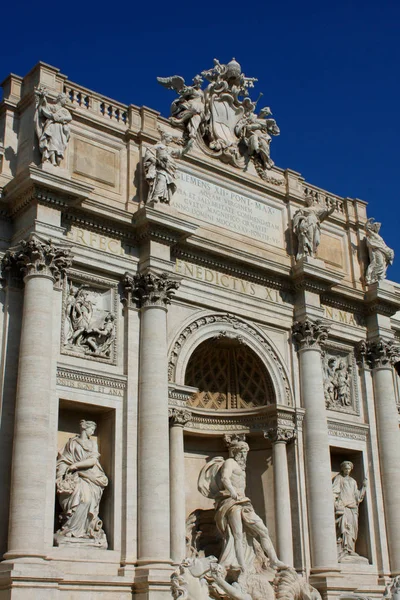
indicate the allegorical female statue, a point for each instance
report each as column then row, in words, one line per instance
column 80, row 481
column 307, row 226
column 52, row 126
column 380, row 255
column 347, row 497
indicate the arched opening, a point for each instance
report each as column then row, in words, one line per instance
column 228, row 375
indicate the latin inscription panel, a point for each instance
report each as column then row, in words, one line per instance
column 224, row 207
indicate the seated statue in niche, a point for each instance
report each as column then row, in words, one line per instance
column 80, row 482
column 347, row 498
column 52, row 126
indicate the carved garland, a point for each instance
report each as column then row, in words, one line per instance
column 237, row 324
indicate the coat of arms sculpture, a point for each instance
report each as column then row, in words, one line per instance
column 221, row 118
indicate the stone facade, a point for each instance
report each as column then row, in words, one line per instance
column 166, row 288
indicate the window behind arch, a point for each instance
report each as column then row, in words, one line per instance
column 229, row 375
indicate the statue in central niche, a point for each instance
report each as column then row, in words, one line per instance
column 236, row 519
column 248, row 567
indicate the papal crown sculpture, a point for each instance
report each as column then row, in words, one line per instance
column 221, row 118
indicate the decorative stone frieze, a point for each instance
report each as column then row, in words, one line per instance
column 150, row 289
column 280, row 434
column 179, row 417
column 310, row 334
column 34, row 257
column 378, row 353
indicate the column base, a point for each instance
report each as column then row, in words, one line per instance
column 153, row 582
column 28, row 578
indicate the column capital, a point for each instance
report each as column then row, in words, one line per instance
column 310, row 334
column 179, row 416
column 150, row 289
column 280, row 434
column 379, row 353
column 37, row 257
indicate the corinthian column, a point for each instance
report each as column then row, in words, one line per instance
column 380, row 356
column 178, row 419
column 154, row 293
column 280, row 436
column 309, row 335
column 41, row 264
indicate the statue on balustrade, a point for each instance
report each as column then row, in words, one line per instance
column 307, row 226
column 347, row 498
column 380, row 255
column 52, row 126
column 160, row 169
column 80, row 482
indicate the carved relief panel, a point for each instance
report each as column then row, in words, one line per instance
column 89, row 323
column 340, row 388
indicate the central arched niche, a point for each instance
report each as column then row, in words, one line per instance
column 229, row 375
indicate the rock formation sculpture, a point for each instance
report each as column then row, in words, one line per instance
column 221, row 117
column 380, row 255
column 347, row 498
column 80, row 481
column 307, row 226
column 52, row 126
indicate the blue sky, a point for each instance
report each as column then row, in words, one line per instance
column 329, row 71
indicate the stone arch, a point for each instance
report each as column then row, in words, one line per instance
column 210, row 325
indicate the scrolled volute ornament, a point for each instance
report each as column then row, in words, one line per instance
column 280, row 434
column 310, row 334
column 378, row 353
column 151, row 289
column 179, row 416
column 35, row 257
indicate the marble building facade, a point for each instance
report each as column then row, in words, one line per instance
column 171, row 298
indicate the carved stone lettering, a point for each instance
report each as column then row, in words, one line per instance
column 224, row 207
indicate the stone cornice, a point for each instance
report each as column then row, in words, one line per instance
column 378, row 353
column 310, row 334
column 224, row 265
column 35, row 183
column 164, row 225
column 311, row 274
column 381, row 298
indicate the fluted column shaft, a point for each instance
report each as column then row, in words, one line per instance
column 40, row 263
column 178, row 419
column 283, row 515
column 380, row 357
column 309, row 334
column 153, row 293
